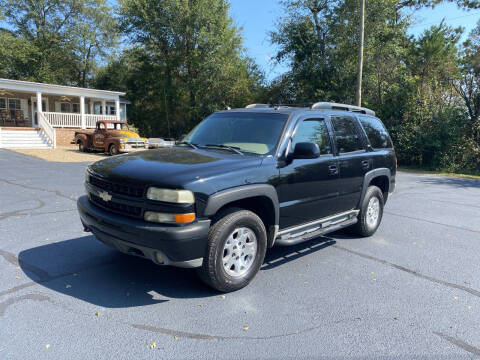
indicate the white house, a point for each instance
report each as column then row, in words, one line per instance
column 44, row 115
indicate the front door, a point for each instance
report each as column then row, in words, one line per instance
column 34, row 109
column 308, row 187
column 353, row 160
column 99, row 136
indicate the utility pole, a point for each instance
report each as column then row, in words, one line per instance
column 358, row 95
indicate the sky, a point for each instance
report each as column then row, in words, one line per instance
column 258, row 17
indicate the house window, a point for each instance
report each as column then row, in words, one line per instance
column 65, row 107
column 110, row 109
column 3, row 103
column 14, row 104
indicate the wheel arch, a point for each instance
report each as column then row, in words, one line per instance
column 379, row 177
column 262, row 199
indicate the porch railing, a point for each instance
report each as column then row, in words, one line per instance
column 74, row 120
column 91, row 120
column 47, row 129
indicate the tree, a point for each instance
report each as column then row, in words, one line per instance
column 468, row 86
column 186, row 61
column 63, row 38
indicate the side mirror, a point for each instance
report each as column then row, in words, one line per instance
column 305, row 150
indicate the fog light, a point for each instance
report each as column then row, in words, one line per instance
column 159, row 257
column 169, row 218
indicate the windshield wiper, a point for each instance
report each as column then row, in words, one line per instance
column 187, row 143
column 223, row 146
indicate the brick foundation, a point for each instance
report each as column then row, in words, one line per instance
column 65, row 135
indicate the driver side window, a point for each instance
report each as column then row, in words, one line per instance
column 314, row 131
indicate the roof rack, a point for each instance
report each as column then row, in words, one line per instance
column 253, row 106
column 278, row 106
column 343, row 107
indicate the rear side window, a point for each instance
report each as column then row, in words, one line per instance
column 376, row 132
column 313, row 130
column 346, row 134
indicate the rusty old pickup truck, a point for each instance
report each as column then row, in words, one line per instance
column 113, row 137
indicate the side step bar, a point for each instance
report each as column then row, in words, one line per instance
column 298, row 234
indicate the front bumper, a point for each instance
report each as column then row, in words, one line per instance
column 125, row 149
column 182, row 246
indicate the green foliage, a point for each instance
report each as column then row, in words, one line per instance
column 421, row 88
column 186, row 61
column 55, row 41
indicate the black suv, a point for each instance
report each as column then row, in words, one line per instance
column 240, row 182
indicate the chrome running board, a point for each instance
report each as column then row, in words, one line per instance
column 301, row 233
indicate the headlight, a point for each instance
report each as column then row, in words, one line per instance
column 172, row 196
column 87, row 176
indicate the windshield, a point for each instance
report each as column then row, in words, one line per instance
column 256, row 133
column 113, row 126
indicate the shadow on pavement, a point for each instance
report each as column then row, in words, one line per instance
column 451, row 181
column 88, row 270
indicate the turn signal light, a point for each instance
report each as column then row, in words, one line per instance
column 184, row 218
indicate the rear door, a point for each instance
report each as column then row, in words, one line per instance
column 353, row 160
column 308, row 187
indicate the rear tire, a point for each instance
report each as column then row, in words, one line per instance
column 236, row 248
column 371, row 212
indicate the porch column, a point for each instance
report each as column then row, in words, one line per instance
column 82, row 112
column 104, row 107
column 39, row 108
column 117, row 109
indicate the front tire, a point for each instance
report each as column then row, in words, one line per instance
column 81, row 147
column 112, row 150
column 236, row 248
column 371, row 212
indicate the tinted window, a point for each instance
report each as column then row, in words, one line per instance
column 376, row 132
column 257, row 133
column 313, row 131
column 346, row 134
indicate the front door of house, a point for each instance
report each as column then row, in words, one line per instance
column 34, row 109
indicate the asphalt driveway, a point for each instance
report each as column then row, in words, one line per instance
column 410, row 291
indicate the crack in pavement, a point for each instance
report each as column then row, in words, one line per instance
column 412, row 272
column 459, row 343
column 433, row 222
column 56, row 192
column 13, row 300
column 42, row 213
column 200, row 336
column 6, row 215
column 47, row 277
column 13, row 259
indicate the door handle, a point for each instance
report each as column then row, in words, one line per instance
column 366, row 164
column 333, row 169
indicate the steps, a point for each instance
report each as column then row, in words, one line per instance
column 23, row 139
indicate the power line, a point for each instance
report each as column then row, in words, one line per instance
column 445, row 19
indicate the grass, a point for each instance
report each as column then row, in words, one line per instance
column 434, row 172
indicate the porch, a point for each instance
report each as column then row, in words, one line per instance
column 49, row 107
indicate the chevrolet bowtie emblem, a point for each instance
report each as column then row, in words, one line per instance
column 105, row 196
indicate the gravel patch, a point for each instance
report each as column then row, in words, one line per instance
column 62, row 154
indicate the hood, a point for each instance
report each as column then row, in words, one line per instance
column 126, row 134
column 171, row 167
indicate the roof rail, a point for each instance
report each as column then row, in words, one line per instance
column 344, row 107
column 253, row 106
